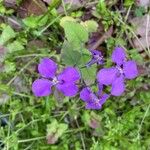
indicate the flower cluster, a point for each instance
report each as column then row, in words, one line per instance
column 116, row 75
column 66, row 81
column 93, row 100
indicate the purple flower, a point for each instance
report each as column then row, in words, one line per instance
column 92, row 100
column 115, row 76
column 64, row 82
column 96, row 58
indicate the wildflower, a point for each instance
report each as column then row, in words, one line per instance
column 96, row 58
column 115, row 76
column 65, row 82
column 92, row 100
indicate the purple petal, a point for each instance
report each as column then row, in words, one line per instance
column 118, row 86
column 96, row 103
column 107, row 75
column 41, row 87
column 118, row 55
column 69, row 74
column 93, row 106
column 96, row 58
column 96, row 52
column 91, row 62
column 68, row 89
column 85, row 94
column 130, row 69
column 47, row 68
column 104, row 98
column 100, row 89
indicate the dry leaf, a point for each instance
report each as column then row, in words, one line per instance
column 143, row 41
column 31, row 7
column 14, row 23
column 144, row 3
column 74, row 4
column 10, row 3
column 51, row 139
column 47, row 1
column 94, row 123
column 2, row 52
column 36, row 44
column 140, row 24
column 19, row 85
column 142, row 29
column 4, row 98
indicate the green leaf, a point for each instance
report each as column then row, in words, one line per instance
column 69, row 55
column 61, row 129
column 51, row 128
column 35, row 21
column 66, row 18
column 9, row 67
column 89, row 74
column 30, row 21
column 74, row 56
column 90, row 25
column 128, row 3
column 4, row 87
column 15, row 46
column 102, row 7
column 139, row 12
column 134, row 54
column 7, row 34
column 75, row 32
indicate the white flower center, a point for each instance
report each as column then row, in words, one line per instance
column 119, row 69
column 55, row 81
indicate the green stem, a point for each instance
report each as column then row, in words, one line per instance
column 32, row 139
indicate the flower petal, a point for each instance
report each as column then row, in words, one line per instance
column 47, row 68
column 100, row 89
column 91, row 62
column 93, row 106
column 96, row 52
column 118, row 55
column 107, row 75
column 68, row 89
column 41, row 87
column 130, row 69
column 69, row 74
column 104, row 98
column 85, row 94
column 118, row 86
column 97, row 105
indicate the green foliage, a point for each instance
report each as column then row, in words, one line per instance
column 129, row 2
column 90, row 25
column 88, row 74
column 51, row 123
column 75, row 33
column 135, row 55
column 139, row 12
column 73, row 50
column 69, row 55
column 7, row 34
column 9, row 67
column 105, row 14
column 15, row 46
column 35, row 21
column 56, row 130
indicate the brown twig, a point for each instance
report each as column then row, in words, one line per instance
column 105, row 36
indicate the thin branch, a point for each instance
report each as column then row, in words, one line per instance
column 105, row 36
column 82, row 139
